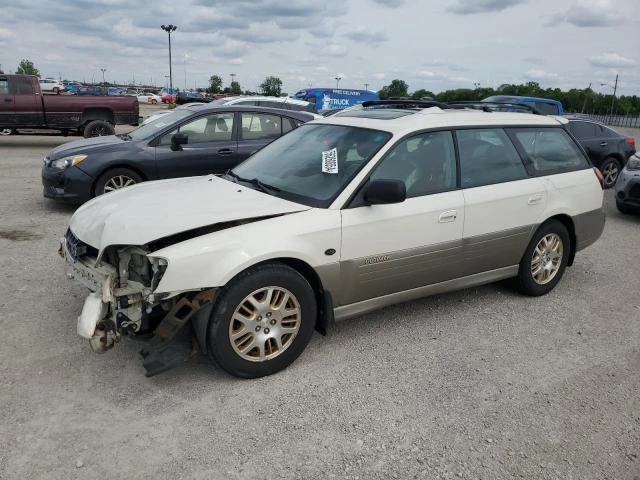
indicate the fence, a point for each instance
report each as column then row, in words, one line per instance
column 616, row 120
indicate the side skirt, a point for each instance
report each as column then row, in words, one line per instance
column 355, row 309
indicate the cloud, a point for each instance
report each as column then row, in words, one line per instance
column 362, row 34
column 611, row 60
column 6, row 34
column 589, row 13
column 390, row 3
column 536, row 74
column 470, row 7
column 534, row 60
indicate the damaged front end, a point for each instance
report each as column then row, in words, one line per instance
column 123, row 280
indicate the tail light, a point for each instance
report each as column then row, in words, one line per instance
column 600, row 177
column 629, row 141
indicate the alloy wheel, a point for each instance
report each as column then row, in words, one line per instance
column 610, row 173
column 118, row 182
column 547, row 258
column 265, row 324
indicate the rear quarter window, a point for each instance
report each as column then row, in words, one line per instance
column 548, row 151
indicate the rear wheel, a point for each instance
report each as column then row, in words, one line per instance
column 545, row 259
column 262, row 321
column 154, row 101
column 116, row 179
column 98, row 128
column 56, row 90
column 610, row 169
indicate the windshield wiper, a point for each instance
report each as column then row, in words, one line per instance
column 258, row 185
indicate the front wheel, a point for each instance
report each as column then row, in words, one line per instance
column 622, row 208
column 262, row 321
column 116, row 179
column 544, row 260
column 610, row 169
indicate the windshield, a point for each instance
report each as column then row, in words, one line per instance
column 313, row 163
column 146, row 132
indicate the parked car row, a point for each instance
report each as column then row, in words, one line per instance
column 287, row 241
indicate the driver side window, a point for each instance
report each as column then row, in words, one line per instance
column 217, row 127
column 426, row 163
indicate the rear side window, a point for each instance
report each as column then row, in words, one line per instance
column 4, row 86
column 546, row 108
column 259, row 126
column 583, row 129
column 549, row 150
column 487, row 156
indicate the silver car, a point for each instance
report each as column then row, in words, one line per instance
column 628, row 186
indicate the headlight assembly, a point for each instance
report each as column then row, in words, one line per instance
column 69, row 161
column 634, row 163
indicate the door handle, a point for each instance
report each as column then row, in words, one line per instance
column 603, row 144
column 225, row 151
column 535, row 199
column 448, row 216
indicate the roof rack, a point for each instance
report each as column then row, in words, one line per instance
column 476, row 105
column 405, row 103
column 494, row 106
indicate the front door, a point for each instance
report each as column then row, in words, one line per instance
column 397, row 247
column 211, row 148
column 503, row 204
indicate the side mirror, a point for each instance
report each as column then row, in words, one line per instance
column 178, row 140
column 380, row 192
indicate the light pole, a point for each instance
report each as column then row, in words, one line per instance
column 366, row 86
column 233, row 79
column 166, row 80
column 169, row 29
column 615, row 87
column 337, row 79
column 103, row 70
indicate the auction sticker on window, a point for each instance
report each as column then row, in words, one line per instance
column 330, row 161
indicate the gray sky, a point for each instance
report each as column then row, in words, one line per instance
column 432, row 44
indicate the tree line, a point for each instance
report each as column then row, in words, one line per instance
column 574, row 100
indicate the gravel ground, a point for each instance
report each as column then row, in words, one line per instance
column 481, row 383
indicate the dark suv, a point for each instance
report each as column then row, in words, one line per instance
column 190, row 97
column 607, row 149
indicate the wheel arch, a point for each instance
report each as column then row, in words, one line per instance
column 567, row 221
column 120, row 164
column 324, row 301
column 97, row 113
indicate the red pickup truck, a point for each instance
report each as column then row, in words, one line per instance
column 22, row 105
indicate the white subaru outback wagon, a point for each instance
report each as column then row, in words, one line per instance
column 339, row 217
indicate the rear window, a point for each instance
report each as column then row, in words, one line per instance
column 549, row 150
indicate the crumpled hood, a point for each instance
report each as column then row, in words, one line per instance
column 85, row 146
column 149, row 211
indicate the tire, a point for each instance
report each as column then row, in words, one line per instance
column 154, row 101
column 98, row 128
column 56, row 90
column 115, row 179
column 236, row 356
column 622, row 208
column 610, row 170
column 528, row 284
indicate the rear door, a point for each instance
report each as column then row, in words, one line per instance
column 27, row 102
column 503, row 203
column 257, row 130
column 591, row 138
column 212, row 147
column 7, row 109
